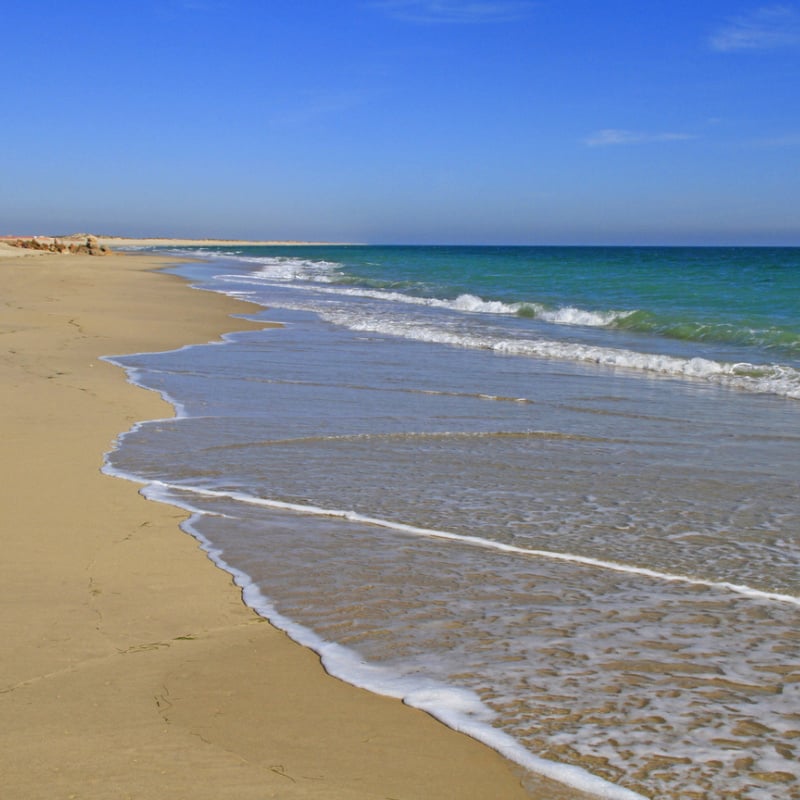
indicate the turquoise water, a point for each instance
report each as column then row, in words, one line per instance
column 547, row 494
column 727, row 314
column 747, row 296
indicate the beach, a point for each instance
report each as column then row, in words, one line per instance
column 132, row 668
column 544, row 496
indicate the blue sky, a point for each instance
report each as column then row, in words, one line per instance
column 408, row 121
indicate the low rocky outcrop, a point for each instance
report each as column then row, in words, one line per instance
column 88, row 245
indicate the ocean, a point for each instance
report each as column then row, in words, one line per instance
column 549, row 495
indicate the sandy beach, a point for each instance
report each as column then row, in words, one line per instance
column 131, row 667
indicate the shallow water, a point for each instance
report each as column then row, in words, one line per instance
column 595, row 566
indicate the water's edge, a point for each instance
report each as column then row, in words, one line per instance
column 458, row 709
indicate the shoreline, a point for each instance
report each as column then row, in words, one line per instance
column 136, row 667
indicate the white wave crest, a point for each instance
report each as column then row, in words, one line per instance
column 278, row 270
column 578, row 316
column 764, row 379
column 472, row 304
column 294, row 269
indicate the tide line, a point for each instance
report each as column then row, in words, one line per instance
column 488, row 544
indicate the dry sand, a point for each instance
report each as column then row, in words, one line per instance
column 131, row 668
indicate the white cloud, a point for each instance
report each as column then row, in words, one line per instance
column 766, row 28
column 617, row 136
column 454, row 11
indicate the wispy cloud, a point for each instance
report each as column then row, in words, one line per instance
column 454, row 11
column 616, row 136
column 766, row 28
